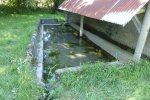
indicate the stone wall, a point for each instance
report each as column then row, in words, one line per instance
column 127, row 35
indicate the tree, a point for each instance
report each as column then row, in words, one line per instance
column 21, row 3
column 53, row 4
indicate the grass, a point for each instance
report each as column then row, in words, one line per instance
column 102, row 82
column 95, row 82
column 17, row 77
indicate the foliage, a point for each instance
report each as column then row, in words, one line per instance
column 21, row 3
column 53, row 4
column 17, row 77
column 20, row 6
column 57, row 3
column 102, row 82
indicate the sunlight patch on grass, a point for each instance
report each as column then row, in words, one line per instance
column 7, row 38
column 2, row 70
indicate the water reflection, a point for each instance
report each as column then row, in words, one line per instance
column 64, row 48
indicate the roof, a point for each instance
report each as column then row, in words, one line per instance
column 114, row 11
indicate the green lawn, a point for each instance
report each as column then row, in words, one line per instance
column 102, row 82
column 17, row 78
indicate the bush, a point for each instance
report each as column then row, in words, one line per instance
column 21, row 6
column 21, row 3
column 53, row 4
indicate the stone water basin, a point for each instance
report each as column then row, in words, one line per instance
column 64, row 48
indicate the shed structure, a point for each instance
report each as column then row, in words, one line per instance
column 113, row 18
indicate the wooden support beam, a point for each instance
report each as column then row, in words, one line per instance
column 81, row 26
column 137, row 23
column 112, row 49
column 143, row 35
column 136, row 20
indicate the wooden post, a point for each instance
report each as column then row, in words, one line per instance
column 81, row 26
column 143, row 35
